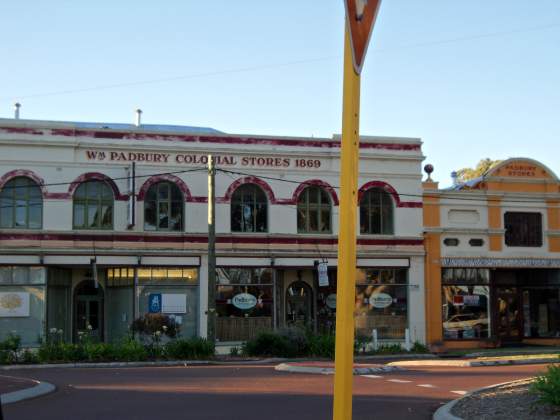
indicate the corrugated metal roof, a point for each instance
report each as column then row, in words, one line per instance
column 182, row 129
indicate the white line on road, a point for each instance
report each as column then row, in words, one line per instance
column 372, row 376
column 399, row 381
column 427, row 386
column 459, row 392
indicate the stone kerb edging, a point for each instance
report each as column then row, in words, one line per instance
column 444, row 412
column 163, row 363
column 322, row 370
column 41, row 388
column 472, row 363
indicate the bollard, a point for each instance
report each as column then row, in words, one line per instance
column 374, row 339
column 407, row 343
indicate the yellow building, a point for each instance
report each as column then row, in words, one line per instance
column 493, row 258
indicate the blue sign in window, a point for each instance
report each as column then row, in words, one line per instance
column 154, row 302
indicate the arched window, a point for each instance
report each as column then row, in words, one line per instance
column 164, row 207
column 21, row 204
column 314, row 211
column 249, row 209
column 93, row 206
column 376, row 212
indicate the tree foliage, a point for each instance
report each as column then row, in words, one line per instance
column 483, row 166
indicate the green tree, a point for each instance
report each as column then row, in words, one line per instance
column 483, row 166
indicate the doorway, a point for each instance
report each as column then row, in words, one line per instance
column 88, row 311
column 508, row 314
column 299, row 305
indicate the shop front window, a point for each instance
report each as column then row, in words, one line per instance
column 382, row 303
column 541, row 312
column 465, row 299
column 244, row 302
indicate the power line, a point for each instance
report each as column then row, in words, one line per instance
column 280, row 65
column 441, row 195
column 13, row 187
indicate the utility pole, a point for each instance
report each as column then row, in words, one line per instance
column 211, row 312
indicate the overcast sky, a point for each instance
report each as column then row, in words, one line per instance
column 473, row 78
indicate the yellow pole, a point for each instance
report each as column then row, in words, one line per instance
column 346, row 274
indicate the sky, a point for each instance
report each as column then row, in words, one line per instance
column 472, row 79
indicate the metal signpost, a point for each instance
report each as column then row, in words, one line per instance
column 360, row 18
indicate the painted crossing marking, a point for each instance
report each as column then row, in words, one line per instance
column 372, row 376
column 459, row 392
column 398, row 381
column 427, row 386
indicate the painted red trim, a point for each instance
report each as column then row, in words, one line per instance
column 390, row 190
column 247, row 180
column 95, row 176
column 16, row 173
column 199, row 239
column 314, row 182
column 187, row 196
column 231, row 139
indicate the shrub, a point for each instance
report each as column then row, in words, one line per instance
column 322, row 346
column 298, row 339
column 270, row 344
column 234, row 351
column 130, row 350
column 192, row 348
column 155, row 324
column 9, row 348
column 419, row 348
column 389, row 349
column 548, row 386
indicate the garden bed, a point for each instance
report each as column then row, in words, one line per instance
column 509, row 401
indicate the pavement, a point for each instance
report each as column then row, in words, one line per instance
column 248, row 392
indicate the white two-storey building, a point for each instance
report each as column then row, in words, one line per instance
column 102, row 223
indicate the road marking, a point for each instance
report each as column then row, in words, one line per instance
column 372, row 376
column 398, row 381
column 427, row 386
column 459, row 392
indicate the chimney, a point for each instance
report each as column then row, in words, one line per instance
column 455, row 178
column 138, row 117
column 17, row 106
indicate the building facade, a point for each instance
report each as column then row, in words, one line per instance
column 103, row 223
column 493, row 258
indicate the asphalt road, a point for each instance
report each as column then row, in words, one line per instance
column 246, row 392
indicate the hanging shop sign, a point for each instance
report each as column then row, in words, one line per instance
column 322, row 271
column 14, row 304
column 380, row 300
column 244, row 301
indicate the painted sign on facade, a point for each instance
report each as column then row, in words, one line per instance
column 14, row 304
column 154, row 303
column 331, row 301
column 244, row 301
column 202, row 159
column 175, row 303
column 380, row 300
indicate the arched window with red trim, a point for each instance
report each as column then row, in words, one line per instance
column 314, row 209
column 93, row 205
column 249, row 209
column 376, row 212
column 164, row 207
column 21, row 204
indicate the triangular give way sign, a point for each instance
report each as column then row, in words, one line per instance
column 360, row 18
